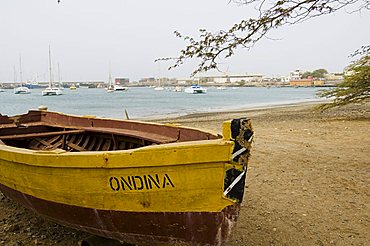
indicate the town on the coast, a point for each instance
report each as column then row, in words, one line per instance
column 296, row 78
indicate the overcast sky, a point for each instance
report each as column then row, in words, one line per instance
column 86, row 36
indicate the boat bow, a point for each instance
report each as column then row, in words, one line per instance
column 183, row 186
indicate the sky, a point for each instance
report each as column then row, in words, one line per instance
column 89, row 38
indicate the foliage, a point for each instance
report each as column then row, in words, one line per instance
column 209, row 47
column 307, row 74
column 317, row 74
column 241, row 83
column 356, row 85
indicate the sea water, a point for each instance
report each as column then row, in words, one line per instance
column 141, row 103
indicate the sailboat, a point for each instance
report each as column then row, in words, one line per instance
column 51, row 90
column 1, row 87
column 60, row 84
column 110, row 87
column 21, row 89
column 159, row 87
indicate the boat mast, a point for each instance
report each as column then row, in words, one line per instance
column 20, row 69
column 50, row 78
column 59, row 76
column 14, row 74
column 159, row 74
column 110, row 79
column 110, row 85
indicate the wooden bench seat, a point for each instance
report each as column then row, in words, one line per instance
column 153, row 137
column 39, row 134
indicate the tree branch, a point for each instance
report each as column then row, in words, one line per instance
column 209, row 47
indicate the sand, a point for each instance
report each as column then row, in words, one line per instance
column 307, row 182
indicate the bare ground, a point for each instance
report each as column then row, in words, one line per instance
column 307, row 184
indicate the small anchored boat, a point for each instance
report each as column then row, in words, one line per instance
column 21, row 89
column 120, row 88
column 195, row 89
column 51, row 90
column 136, row 182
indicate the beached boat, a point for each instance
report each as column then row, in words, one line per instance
column 195, row 89
column 136, row 182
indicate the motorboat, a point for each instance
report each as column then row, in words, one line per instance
column 119, row 88
column 195, row 89
column 22, row 90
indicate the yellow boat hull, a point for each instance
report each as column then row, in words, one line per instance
column 167, row 193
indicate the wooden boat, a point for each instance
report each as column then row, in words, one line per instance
column 136, row 182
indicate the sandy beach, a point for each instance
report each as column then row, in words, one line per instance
column 307, row 183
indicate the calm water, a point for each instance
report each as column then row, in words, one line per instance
column 146, row 102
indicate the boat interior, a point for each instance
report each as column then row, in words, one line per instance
column 43, row 130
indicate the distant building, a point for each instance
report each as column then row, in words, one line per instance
column 296, row 75
column 230, row 78
column 334, row 76
column 301, row 82
column 318, row 82
column 284, row 79
column 333, row 79
column 147, row 81
column 186, row 81
column 121, row 81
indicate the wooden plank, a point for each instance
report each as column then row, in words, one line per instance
column 53, row 140
column 87, row 140
column 79, row 140
column 40, row 134
column 75, row 146
column 152, row 137
column 58, row 143
column 114, row 142
column 99, row 144
column 43, row 142
column 92, row 144
column 107, row 144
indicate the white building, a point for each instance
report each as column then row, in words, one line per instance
column 296, row 75
column 230, row 78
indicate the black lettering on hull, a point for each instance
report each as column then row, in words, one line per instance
column 141, row 182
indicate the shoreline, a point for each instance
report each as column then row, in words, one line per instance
column 307, row 181
column 149, row 105
column 161, row 118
